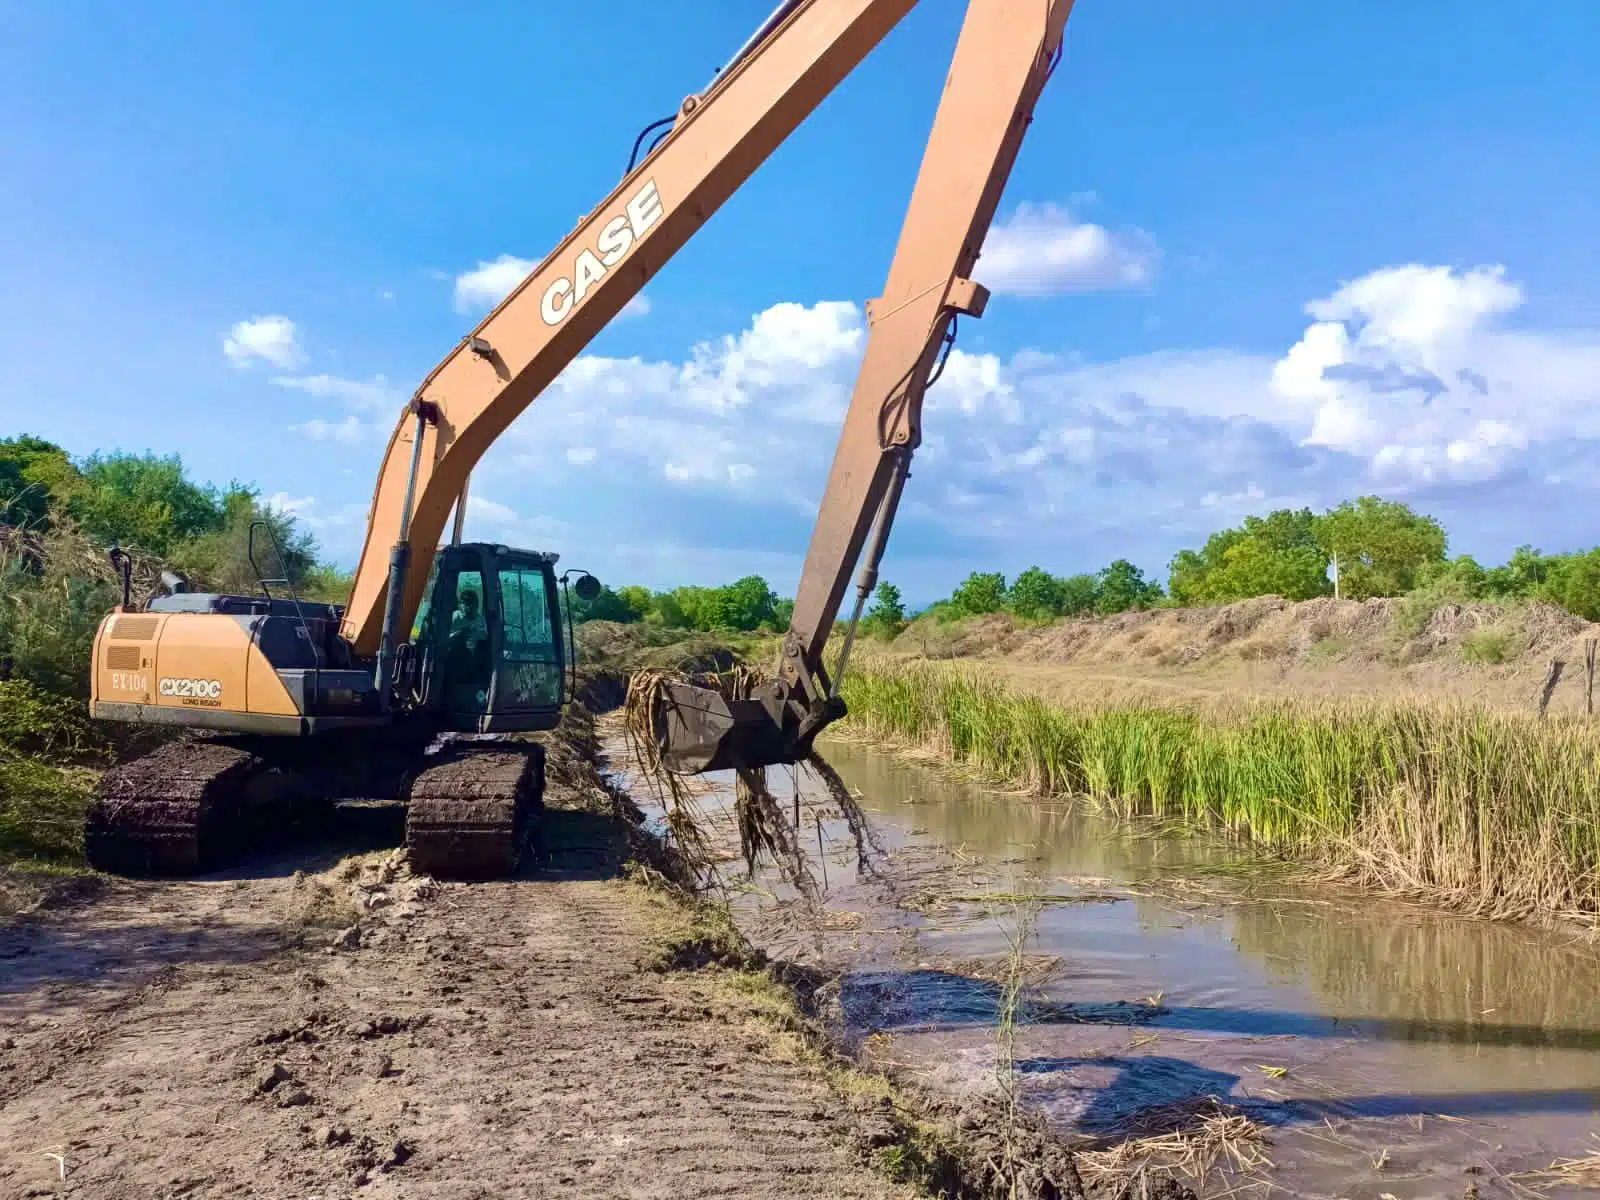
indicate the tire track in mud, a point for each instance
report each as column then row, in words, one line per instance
column 500, row 1040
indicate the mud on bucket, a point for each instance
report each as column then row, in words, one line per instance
column 700, row 729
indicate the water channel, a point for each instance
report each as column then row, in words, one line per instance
column 1387, row 1050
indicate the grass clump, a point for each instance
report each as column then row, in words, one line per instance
column 1330, row 649
column 1489, row 646
column 1493, row 812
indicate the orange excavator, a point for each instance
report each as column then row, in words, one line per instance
column 410, row 689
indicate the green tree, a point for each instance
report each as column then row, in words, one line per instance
column 1035, row 595
column 887, row 616
column 1123, row 586
column 1454, row 581
column 1573, row 582
column 1277, row 555
column 638, row 600
column 1519, row 577
column 1080, row 595
column 36, row 477
column 1253, row 568
column 607, row 606
column 667, row 611
column 144, row 500
column 746, row 603
column 1187, row 576
column 218, row 559
column 981, row 592
column 1380, row 545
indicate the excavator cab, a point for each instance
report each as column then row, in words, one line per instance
column 487, row 651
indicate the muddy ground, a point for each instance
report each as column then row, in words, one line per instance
column 322, row 1024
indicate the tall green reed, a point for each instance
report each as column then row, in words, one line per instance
column 1491, row 811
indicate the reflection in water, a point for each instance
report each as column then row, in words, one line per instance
column 1303, row 1007
column 1397, row 967
column 1385, row 961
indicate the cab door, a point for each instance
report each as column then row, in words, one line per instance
column 453, row 635
column 530, row 666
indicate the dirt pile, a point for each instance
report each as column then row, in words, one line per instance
column 1265, row 628
column 613, row 645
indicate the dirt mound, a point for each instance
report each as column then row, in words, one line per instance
column 628, row 647
column 1263, row 629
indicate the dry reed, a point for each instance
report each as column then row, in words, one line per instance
column 1194, row 1138
column 765, row 832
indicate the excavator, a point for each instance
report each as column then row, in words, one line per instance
column 416, row 688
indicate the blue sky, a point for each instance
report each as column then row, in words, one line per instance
column 1252, row 255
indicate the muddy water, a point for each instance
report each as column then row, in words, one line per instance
column 1386, row 1049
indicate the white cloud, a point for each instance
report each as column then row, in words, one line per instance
column 489, row 510
column 490, row 282
column 347, row 432
column 783, row 350
column 289, row 505
column 505, row 523
column 1247, row 501
column 268, row 339
column 1408, row 369
column 1043, row 250
column 639, row 306
column 580, row 456
column 1416, row 309
column 360, row 394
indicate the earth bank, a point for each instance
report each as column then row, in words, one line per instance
column 330, row 1025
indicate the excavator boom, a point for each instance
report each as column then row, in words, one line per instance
column 1006, row 52
column 497, row 371
column 1005, row 55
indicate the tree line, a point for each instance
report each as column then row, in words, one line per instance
column 1359, row 549
column 1363, row 548
column 147, row 504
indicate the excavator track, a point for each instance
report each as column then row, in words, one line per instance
column 174, row 811
column 469, row 816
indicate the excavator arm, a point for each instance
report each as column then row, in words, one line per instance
column 716, row 142
column 1005, row 53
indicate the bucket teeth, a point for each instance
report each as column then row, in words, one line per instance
column 469, row 816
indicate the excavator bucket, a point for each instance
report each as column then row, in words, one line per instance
column 700, row 729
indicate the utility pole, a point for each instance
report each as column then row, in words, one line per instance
column 1335, row 574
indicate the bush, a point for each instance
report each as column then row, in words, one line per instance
column 50, row 608
column 980, row 593
column 41, row 809
column 1489, row 646
column 887, row 616
column 34, row 721
column 1445, row 583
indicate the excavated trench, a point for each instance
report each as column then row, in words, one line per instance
column 1180, row 1006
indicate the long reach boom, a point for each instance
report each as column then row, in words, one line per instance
column 1004, row 55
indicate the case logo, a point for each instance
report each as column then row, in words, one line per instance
column 614, row 242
